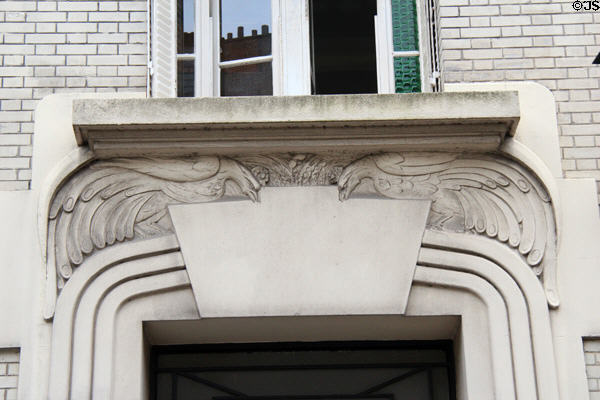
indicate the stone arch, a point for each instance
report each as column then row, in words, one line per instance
column 520, row 347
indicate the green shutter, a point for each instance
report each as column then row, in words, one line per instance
column 405, row 27
column 407, row 73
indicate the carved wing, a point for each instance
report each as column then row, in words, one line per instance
column 486, row 195
column 119, row 199
column 500, row 201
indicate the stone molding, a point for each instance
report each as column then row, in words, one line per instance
column 86, row 330
column 125, row 199
column 270, row 124
column 518, row 287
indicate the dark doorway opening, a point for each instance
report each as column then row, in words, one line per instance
column 343, row 46
column 386, row 370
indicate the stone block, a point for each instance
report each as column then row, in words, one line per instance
column 132, row 5
column 45, row 60
column 46, row 38
column 593, row 371
column 77, row 5
column 239, row 269
column 591, row 345
column 7, row 382
column 17, row 27
column 132, row 27
column 479, row 32
column 47, row 17
column 45, row 27
column 108, row 16
column 479, row 11
column 11, row 49
column 511, row 20
column 543, row 30
column 107, row 60
column 76, row 49
column 13, row 369
column 77, row 27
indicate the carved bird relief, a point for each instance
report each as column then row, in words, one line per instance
column 117, row 199
column 121, row 199
column 471, row 193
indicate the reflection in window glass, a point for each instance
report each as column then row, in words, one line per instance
column 185, row 78
column 240, row 46
column 246, row 14
column 185, row 26
column 247, row 80
column 245, row 33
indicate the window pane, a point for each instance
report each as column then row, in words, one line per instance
column 185, row 26
column 247, row 80
column 343, row 46
column 245, row 29
column 407, row 74
column 185, row 78
column 404, row 21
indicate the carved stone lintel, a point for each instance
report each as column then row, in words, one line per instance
column 126, row 198
column 480, row 194
column 121, row 199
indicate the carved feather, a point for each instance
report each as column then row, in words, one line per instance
column 116, row 200
column 494, row 196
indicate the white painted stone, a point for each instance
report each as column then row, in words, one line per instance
column 22, row 274
column 301, row 251
column 538, row 127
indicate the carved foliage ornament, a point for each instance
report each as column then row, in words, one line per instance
column 125, row 199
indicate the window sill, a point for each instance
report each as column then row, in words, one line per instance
column 469, row 121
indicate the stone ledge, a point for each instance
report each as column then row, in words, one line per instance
column 466, row 121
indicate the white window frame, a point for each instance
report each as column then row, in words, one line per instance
column 290, row 58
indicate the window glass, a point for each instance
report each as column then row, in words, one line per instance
column 245, row 27
column 247, row 80
column 343, row 46
column 185, row 78
column 185, row 26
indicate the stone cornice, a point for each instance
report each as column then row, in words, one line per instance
column 366, row 123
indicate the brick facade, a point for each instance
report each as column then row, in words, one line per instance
column 51, row 47
column 591, row 347
column 48, row 47
column 9, row 373
column 548, row 43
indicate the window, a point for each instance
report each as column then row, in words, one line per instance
column 342, row 37
column 304, row 371
column 293, row 47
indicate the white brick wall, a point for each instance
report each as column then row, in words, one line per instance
column 9, row 373
column 99, row 46
column 48, row 47
column 591, row 348
column 549, row 43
